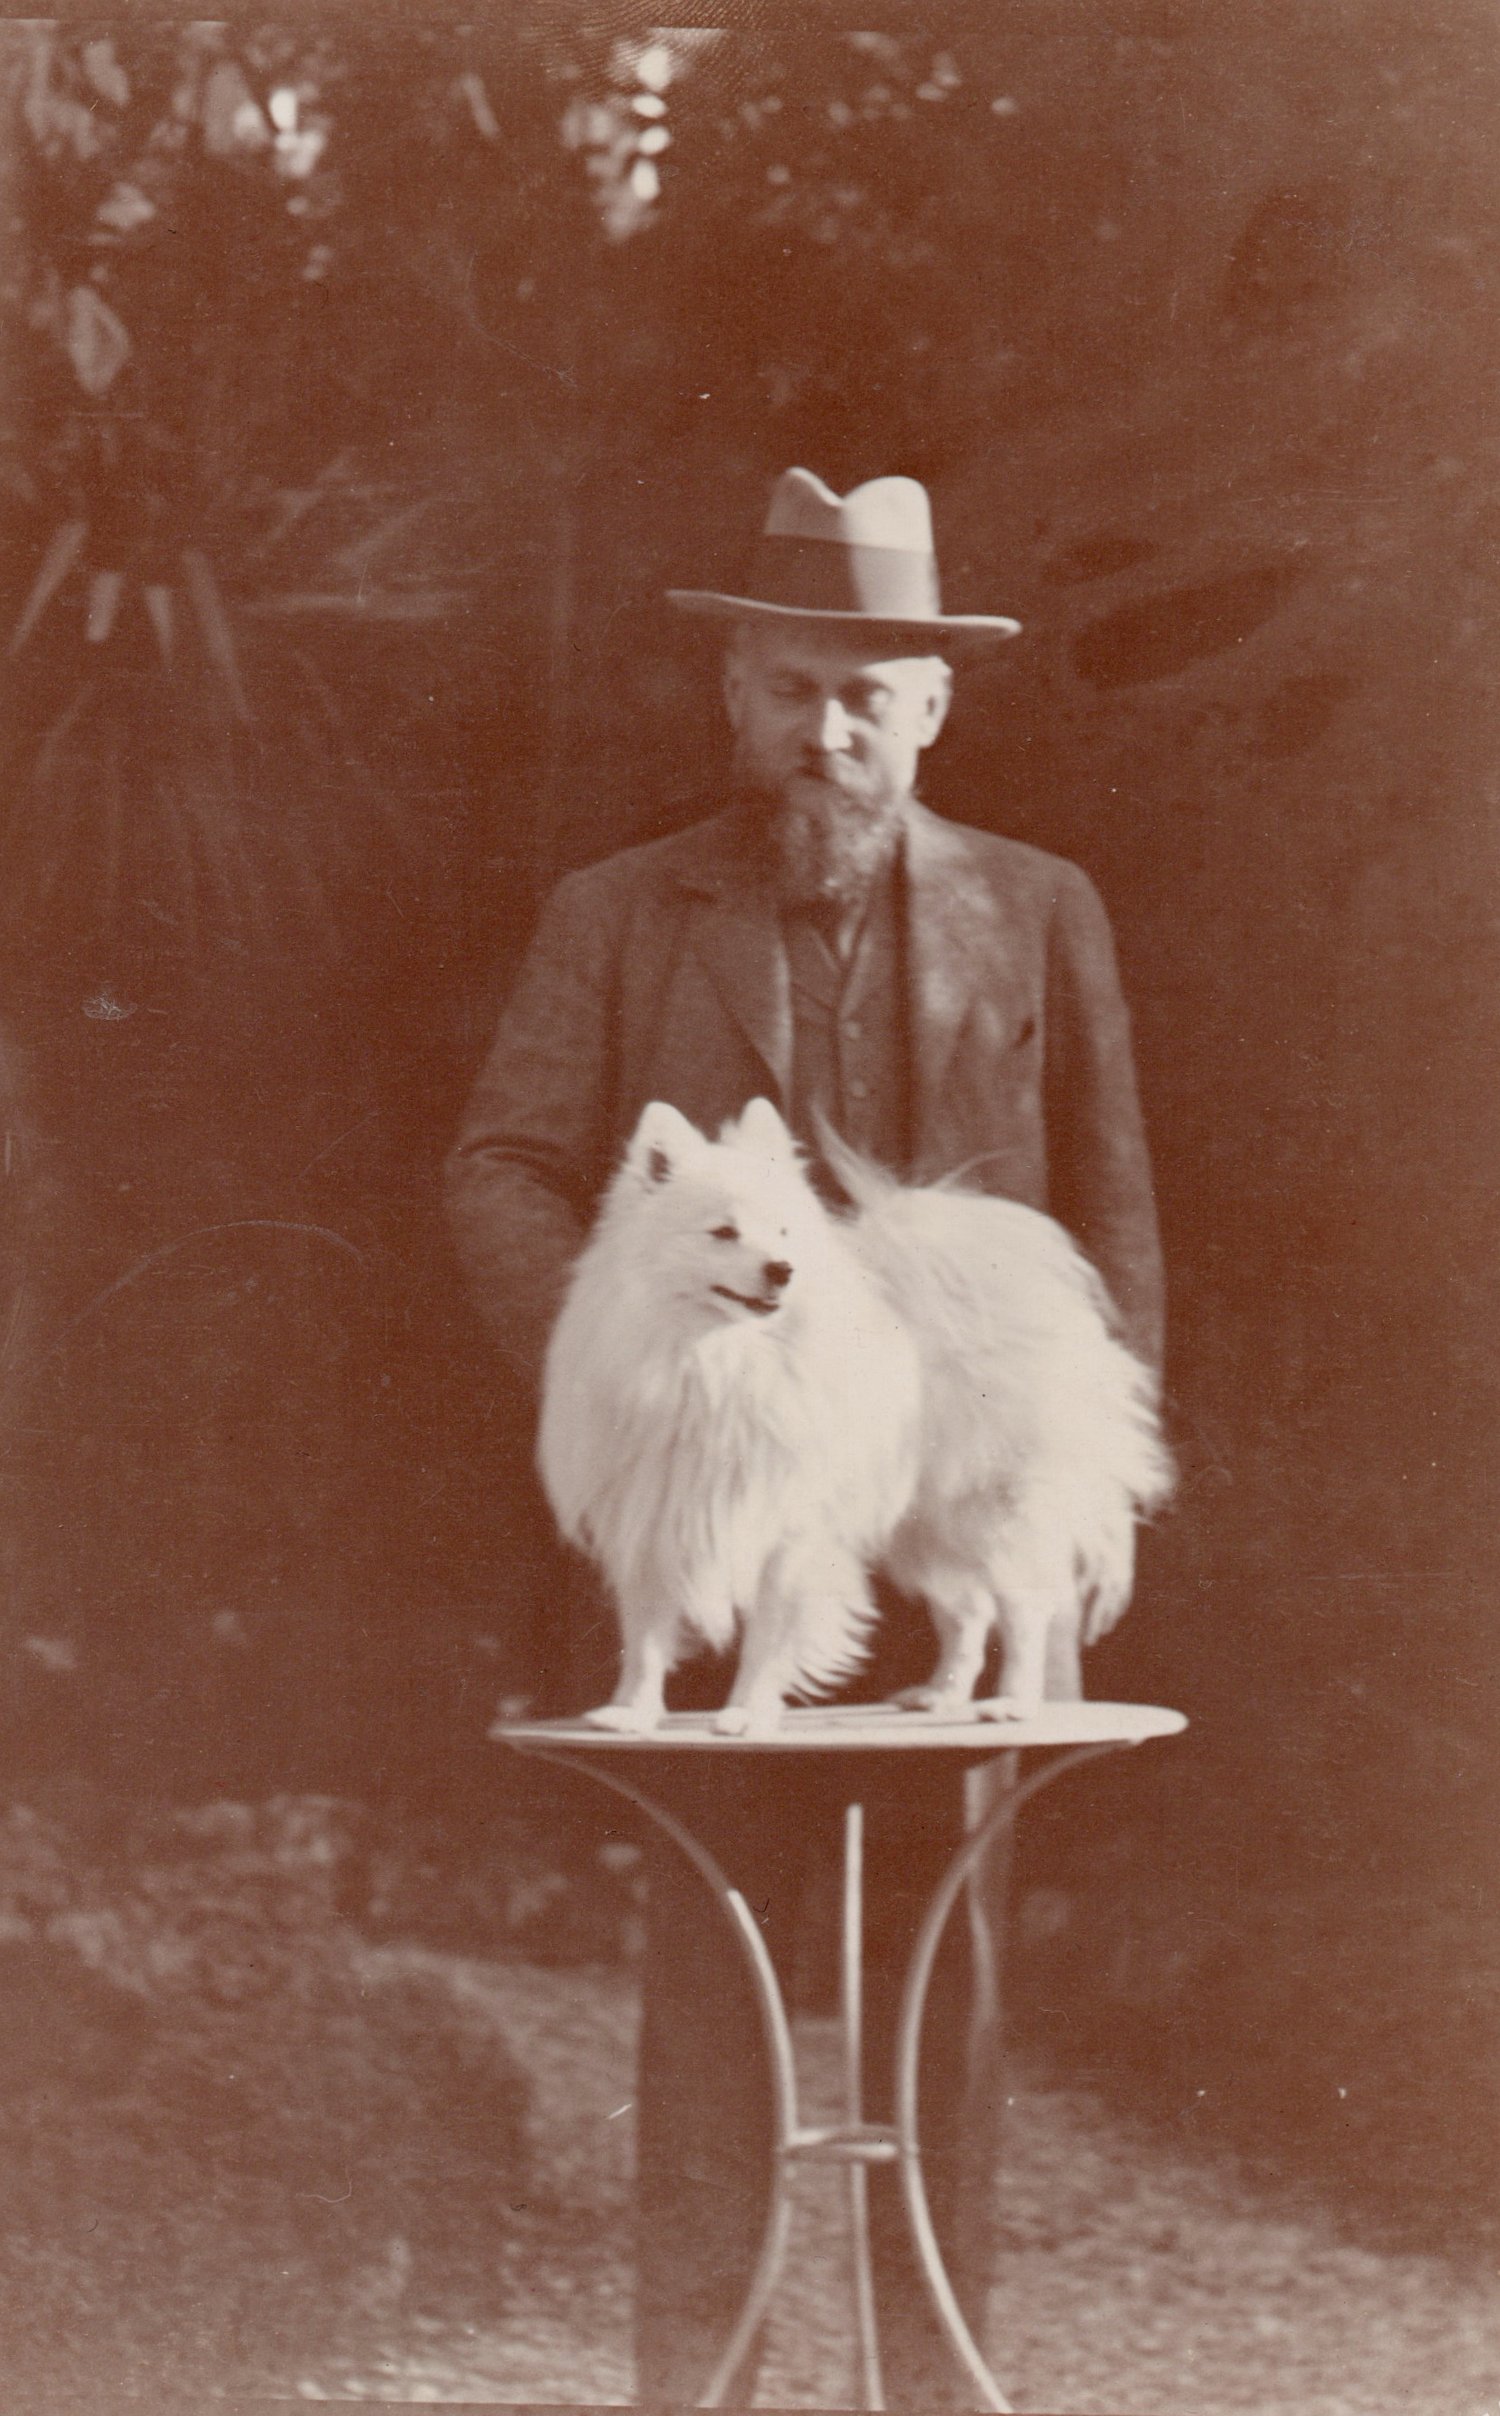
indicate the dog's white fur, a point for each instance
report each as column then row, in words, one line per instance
column 730, row 1414
column 1041, row 1445
column 750, row 1404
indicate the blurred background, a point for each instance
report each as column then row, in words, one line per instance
column 363, row 385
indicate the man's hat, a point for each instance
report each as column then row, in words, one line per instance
column 857, row 559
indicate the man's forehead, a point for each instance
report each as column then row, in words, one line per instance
column 845, row 653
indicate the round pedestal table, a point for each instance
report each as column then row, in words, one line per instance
column 859, row 1746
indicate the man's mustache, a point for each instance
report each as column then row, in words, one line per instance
column 851, row 783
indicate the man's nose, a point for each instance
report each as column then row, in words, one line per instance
column 833, row 726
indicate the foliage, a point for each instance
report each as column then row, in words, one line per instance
column 1281, row 2020
column 320, row 329
column 236, row 2137
column 197, row 197
column 847, row 176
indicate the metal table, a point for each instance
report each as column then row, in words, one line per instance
column 641, row 1768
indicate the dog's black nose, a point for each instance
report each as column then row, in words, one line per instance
column 778, row 1274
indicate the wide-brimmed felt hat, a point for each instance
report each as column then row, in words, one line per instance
column 861, row 560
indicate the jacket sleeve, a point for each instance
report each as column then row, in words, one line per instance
column 1099, row 1173
column 533, row 1149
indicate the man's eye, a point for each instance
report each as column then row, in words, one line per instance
column 725, row 1233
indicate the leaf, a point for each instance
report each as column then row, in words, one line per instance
column 40, row 105
column 233, row 119
column 124, row 208
column 14, row 475
column 97, row 343
column 45, row 311
column 158, row 602
column 64, row 550
column 213, row 623
column 105, row 589
column 56, row 119
column 472, row 90
column 105, row 73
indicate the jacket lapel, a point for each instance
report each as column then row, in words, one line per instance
column 734, row 931
column 955, row 947
column 955, row 950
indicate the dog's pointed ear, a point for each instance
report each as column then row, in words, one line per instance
column 661, row 1142
column 762, row 1128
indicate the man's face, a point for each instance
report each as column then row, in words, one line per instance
column 811, row 705
column 828, row 728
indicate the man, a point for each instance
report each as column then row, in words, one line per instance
column 948, row 1000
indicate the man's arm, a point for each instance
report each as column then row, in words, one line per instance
column 531, row 1154
column 1099, row 1173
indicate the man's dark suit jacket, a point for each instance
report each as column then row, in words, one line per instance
column 661, row 974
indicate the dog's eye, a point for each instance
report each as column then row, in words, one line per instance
column 725, row 1233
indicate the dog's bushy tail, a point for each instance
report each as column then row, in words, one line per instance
column 869, row 1186
column 865, row 1185
column 1053, row 1275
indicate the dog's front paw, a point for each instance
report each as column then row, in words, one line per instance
column 748, row 1720
column 949, row 1702
column 1005, row 1707
column 624, row 1719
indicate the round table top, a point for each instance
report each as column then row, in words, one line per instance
column 859, row 1728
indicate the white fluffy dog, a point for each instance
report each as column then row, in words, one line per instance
column 750, row 1404
column 729, row 1417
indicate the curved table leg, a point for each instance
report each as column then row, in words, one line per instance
column 902, row 2139
column 908, row 2056
column 778, row 2040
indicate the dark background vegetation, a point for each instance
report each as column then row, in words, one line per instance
column 409, row 394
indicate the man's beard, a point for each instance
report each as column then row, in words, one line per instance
column 829, row 844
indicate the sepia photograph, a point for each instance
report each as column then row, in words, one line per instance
column 750, row 1043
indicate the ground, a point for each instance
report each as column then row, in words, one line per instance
column 248, row 2147
column 1136, row 2281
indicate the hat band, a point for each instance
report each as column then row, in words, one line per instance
column 822, row 574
